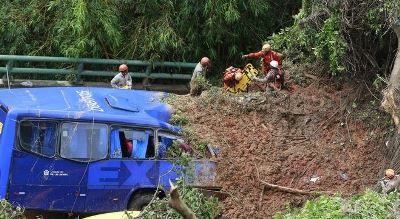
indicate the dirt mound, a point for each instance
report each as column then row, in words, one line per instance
column 317, row 138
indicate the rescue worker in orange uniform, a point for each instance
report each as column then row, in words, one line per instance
column 267, row 55
column 232, row 76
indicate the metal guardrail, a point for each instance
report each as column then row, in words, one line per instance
column 12, row 67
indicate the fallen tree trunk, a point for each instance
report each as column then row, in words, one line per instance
column 288, row 189
column 178, row 204
column 294, row 191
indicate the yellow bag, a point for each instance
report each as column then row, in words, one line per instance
column 249, row 72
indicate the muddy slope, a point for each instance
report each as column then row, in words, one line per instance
column 319, row 138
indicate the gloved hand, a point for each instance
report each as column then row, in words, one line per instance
column 244, row 56
column 126, row 87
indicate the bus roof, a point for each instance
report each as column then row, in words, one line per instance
column 136, row 107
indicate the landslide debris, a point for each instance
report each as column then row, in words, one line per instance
column 319, row 137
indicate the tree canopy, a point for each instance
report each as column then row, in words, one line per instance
column 352, row 36
column 168, row 30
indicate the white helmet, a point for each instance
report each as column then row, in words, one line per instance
column 274, row 64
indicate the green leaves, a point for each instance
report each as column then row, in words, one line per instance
column 202, row 206
column 367, row 205
column 330, row 46
column 8, row 211
column 167, row 30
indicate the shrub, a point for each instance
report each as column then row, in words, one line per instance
column 370, row 204
column 8, row 211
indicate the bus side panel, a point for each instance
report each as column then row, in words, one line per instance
column 46, row 183
column 111, row 182
column 6, row 145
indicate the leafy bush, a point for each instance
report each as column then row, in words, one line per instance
column 198, row 85
column 305, row 43
column 202, row 206
column 179, row 119
column 370, row 204
column 330, row 46
column 7, row 211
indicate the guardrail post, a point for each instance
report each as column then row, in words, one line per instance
column 78, row 73
column 8, row 77
column 146, row 81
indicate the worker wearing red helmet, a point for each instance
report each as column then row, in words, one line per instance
column 390, row 182
column 267, row 55
column 199, row 71
column 122, row 79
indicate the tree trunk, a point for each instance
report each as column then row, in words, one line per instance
column 391, row 96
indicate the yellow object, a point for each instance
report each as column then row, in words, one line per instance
column 249, row 72
column 116, row 215
column 126, row 87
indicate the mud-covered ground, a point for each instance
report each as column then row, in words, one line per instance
column 318, row 137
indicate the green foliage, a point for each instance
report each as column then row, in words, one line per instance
column 374, row 20
column 367, row 205
column 8, row 211
column 169, row 98
column 294, row 41
column 202, row 206
column 356, row 40
column 330, row 46
column 299, row 42
column 198, row 85
column 85, row 28
column 140, row 29
column 179, row 119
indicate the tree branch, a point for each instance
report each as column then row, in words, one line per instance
column 177, row 203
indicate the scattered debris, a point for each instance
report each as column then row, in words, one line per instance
column 314, row 178
column 343, row 175
column 27, row 83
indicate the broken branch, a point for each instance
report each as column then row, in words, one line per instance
column 178, row 204
column 294, row 191
column 290, row 190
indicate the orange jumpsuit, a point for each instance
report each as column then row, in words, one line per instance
column 266, row 59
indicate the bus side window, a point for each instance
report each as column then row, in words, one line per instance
column 132, row 143
column 164, row 144
column 84, row 141
column 38, row 137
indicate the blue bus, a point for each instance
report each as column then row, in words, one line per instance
column 87, row 150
